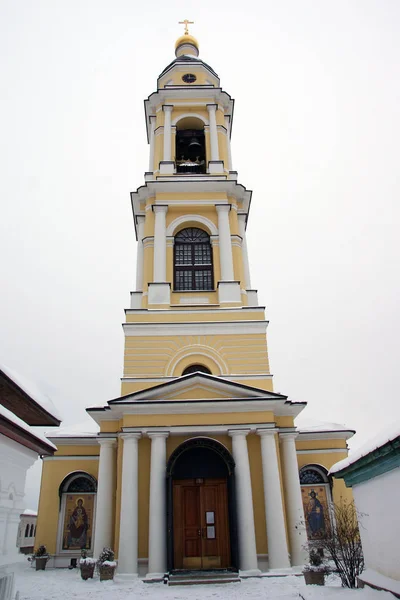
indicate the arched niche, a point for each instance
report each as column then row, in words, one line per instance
column 316, row 493
column 190, row 145
column 77, row 493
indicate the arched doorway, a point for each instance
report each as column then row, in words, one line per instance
column 201, row 508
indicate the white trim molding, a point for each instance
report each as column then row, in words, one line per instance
column 172, row 227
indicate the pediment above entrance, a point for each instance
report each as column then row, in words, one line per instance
column 198, row 387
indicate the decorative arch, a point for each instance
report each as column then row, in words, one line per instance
column 313, row 474
column 191, row 116
column 77, row 493
column 187, row 221
column 196, row 353
column 196, row 368
column 201, row 442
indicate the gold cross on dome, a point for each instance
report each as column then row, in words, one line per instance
column 186, row 23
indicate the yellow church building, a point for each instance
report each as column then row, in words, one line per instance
column 199, row 464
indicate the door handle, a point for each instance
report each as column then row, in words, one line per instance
column 199, row 532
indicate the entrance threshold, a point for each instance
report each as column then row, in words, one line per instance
column 212, row 576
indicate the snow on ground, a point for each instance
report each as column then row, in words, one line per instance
column 62, row 584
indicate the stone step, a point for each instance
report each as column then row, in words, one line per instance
column 204, row 581
column 203, row 578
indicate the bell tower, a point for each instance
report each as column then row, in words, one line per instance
column 193, row 303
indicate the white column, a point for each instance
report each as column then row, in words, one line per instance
column 158, row 507
column 294, row 504
column 246, row 267
column 167, row 108
column 213, row 131
column 244, row 499
column 160, row 244
column 139, row 254
column 128, row 533
column 105, row 491
column 225, row 246
column 228, row 140
column 278, row 557
column 151, row 157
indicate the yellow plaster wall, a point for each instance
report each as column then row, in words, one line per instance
column 327, row 460
column 53, row 473
column 254, row 449
column 150, row 356
column 169, row 420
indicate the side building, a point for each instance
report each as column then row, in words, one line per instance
column 197, row 463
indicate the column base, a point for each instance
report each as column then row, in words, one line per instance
column 250, row 573
column 159, row 293
column 229, row 292
column 252, row 298
column 215, row 166
column 127, row 576
column 167, row 167
column 154, row 577
column 136, row 299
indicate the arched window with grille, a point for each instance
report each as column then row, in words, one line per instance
column 193, row 269
column 196, row 369
column 27, row 530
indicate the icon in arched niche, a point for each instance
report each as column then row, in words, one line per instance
column 315, row 511
column 78, row 518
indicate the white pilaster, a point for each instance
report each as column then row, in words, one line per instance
column 244, row 498
column 160, row 243
column 213, row 131
column 152, row 128
column 167, row 108
column 157, row 520
column 294, row 505
column 246, row 267
column 228, row 140
column 225, row 246
column 105, row 491
column 128, row 536
column 278, row 557
column 139, row 255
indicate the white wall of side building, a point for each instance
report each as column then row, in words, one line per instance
column 15, row 460
column 378, row 499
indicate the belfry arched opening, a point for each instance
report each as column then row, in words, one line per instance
column 201, row 508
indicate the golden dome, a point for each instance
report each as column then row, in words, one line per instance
column 186, row 38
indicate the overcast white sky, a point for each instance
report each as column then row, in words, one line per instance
column 316, row 137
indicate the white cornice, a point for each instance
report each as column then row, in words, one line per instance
column 199, row 328
column 72, row 457
column 322, row 450
column 280, row 408
column 159, row 380
column 344, row 434
column 197, row 311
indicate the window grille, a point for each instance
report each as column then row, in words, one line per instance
column 193, row 260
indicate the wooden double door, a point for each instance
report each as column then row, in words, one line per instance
column 201, row 524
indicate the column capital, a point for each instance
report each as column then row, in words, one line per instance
column 160, row 208
column 167, row 107
column 152, row 118
column 238, row 432
column 221, row 208
column 157, row 434
column 212, row 107
column 140, row 219
column 267, row 432
column 131, row 435
column 290, row 435
column 110, row 442
column 242, row 217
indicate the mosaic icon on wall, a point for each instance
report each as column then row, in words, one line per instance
column 78, row 520
column 316, row 512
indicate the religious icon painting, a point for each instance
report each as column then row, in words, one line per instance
column 78, row 519
column 316, row 511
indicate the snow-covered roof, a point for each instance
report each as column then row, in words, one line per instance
column 32, row 390
column 29, row 513
column 312, row 425
column 87, row 428
column 7, row 414
column 387, row 435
